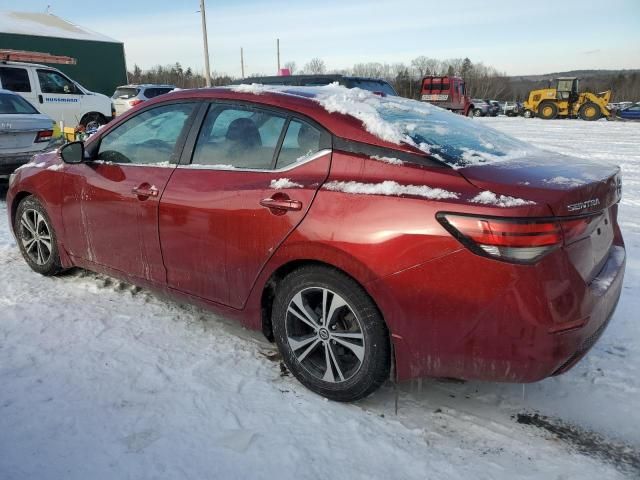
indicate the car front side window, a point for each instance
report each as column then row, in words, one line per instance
column 149, row 138
column 54, row 82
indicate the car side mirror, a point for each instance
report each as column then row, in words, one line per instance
column 72, row 152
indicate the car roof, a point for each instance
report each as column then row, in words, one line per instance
column 25, row 64
column 146, row 85
column 293, row 98
column 285, row 78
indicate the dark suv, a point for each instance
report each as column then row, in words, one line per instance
column 372, row 84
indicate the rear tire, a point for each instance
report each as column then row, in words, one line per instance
column 590, row 112
column 547, row 110
column 343, row 358
column 36, row 238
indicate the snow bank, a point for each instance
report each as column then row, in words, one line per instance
column 489, row 198
column 390, row 188
column 56, row 168
column 284, row 183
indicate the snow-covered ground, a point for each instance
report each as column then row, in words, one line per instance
column 102, row 380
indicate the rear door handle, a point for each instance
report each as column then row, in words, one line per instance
column 145, row 190
column 281, row 204
column 40, row 99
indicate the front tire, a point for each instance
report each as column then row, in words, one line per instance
column 36, row 238
column 590, row 112
column 93, row 117
column 330, row 334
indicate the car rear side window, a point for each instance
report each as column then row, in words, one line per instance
column 149, row 138
column 300, row 142
column 238, row 137
column 15, row 79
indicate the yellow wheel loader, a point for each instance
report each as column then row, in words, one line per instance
column 565, row 101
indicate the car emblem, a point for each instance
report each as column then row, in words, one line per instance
column 593, row 202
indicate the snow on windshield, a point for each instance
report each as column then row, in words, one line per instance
column 451, row 138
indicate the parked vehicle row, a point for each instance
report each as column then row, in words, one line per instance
column 358, row 255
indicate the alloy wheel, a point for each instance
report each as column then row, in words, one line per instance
column 35, row 235
column 325, row 334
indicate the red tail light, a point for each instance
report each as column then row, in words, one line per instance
column 135, row 102
column 44, row 135
column 514, row 240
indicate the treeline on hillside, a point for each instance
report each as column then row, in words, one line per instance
column 482, row 81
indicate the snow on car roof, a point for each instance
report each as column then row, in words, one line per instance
column 47, row 25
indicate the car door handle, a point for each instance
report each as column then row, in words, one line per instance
column 145, row 190
column 40, row 99
column 281, row 204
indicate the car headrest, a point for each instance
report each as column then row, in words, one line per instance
column 244, row 132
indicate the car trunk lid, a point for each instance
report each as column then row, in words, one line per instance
column 573, row 189
column 19, row 131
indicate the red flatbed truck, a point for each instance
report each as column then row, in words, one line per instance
column 447, row 92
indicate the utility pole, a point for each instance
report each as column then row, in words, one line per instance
column 207, row 70
column 278, row 48
column 242, row 61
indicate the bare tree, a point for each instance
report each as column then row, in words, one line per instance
column 315, row 67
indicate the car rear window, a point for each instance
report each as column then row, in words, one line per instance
column 15, row 104
column 156, row 91
column 15, row 79
column 448, row 137
column 452, row 138
column 125, row 93
column 372, row 86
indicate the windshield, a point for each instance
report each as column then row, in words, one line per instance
column 14, row 104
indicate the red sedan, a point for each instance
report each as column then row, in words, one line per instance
column 360, row 232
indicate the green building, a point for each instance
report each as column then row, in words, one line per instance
column 100, row 63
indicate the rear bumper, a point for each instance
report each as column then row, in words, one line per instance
column 462, row 318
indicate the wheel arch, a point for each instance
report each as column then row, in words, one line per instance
column 92, row 112
column 271, row 285
column 18, row 197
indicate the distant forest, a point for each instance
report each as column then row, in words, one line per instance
column 482, row 81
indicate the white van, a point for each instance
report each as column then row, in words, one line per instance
column 55, row 94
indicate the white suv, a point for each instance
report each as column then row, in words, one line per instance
column 128, row 96
column 55, row 94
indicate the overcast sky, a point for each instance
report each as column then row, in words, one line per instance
column 519, row 37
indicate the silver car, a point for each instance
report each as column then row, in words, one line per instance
column 24, row 131
column 128, row 96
